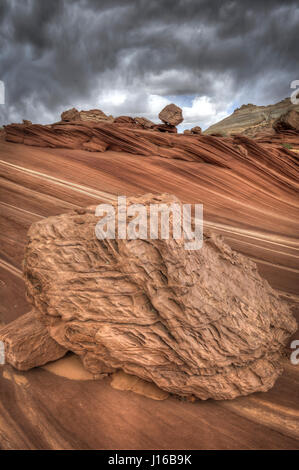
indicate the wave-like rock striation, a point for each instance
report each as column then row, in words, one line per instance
column 273, row 158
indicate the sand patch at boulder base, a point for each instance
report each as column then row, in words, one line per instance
column 69, row 367
column 72, row 368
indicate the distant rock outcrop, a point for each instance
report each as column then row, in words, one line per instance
column 196, row 323
column 93, row 115
column 195, row 130
column 288, row 121
column 252, row 121
column 171, row 114
column 70, row 115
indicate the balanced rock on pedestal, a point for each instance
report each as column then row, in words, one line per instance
column 171, row 114
column 199, row 322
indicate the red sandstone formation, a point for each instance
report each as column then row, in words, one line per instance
column 200, row 323
column 267, row 157
column 171, row 114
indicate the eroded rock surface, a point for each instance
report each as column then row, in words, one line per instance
column 28, row 343
column 196, row 323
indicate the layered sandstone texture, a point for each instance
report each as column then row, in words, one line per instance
column 251, row 120
column 197, row 323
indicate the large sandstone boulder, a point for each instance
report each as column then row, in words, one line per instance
column 171, row 114
column 200, row 323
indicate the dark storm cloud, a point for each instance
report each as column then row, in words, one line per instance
column 63, row 53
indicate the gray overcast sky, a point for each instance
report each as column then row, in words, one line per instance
column 133, row 57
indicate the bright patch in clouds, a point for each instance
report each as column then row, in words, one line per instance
column 202, row 112
column 114, row 98
column 155, row 104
